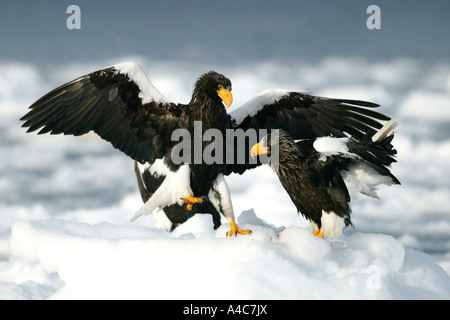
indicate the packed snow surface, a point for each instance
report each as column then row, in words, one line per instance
column 69, row 260
column 66, row 202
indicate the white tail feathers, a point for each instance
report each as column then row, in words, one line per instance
column 175, row 187
column 387, row 130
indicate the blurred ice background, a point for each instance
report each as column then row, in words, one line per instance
column 322, row 47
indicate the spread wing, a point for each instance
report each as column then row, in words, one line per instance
column 119, row 103
column 303, row 116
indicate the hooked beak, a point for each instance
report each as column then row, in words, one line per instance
column 258, row 149
column 226, row 96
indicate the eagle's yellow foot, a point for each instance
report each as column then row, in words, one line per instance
column 235, row 230
column 190, row 200
column 318, row 233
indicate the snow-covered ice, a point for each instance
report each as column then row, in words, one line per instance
column 66, row 202
column 106, row 261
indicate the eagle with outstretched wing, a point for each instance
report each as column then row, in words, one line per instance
column 122, row 106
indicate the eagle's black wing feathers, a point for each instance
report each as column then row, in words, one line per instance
column 110, row 103
column 303, row 116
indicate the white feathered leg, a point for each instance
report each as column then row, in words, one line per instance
column 219, row 195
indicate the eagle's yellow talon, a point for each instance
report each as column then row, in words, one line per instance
column 318, row 233
column 190, row 200
column 234, row 230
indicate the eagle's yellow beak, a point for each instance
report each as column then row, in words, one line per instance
column 226, row 96
column 258, row 149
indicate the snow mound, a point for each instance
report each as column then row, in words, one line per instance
column 61, row 259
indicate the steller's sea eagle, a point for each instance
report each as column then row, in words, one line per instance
column 122, row 106
column 300, row 114
column 321, row 175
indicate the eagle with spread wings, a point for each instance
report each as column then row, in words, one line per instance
column 123, row 107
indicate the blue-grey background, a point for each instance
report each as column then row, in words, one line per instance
column 223, row 31
column 323, row 47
